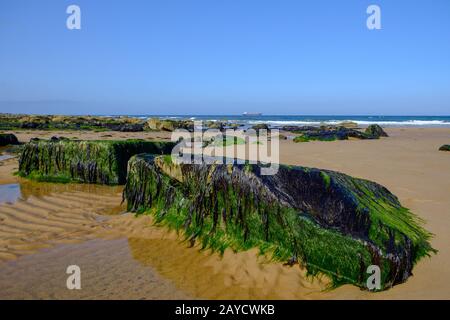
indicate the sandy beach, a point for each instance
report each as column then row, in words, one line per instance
column 45, row 227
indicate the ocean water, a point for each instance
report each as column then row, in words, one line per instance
column 285, row 120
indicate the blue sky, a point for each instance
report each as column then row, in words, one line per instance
column 225, row 57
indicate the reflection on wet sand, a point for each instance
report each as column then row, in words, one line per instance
column 234, row 276
column 30, row 188
column 107, row 272
column 41, row 215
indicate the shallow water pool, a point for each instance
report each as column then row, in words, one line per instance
column 10, row 192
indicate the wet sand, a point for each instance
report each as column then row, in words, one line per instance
column 108, row 271
column 127, row 257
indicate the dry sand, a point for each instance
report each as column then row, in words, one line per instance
column 122, row 256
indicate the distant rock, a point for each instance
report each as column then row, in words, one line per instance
column 297, row 129
column 8, row 139
column 348, row 124
column 156, row 124
column 153, row 124
column 260, row 126
column 445, row 147
column 331, row 133
column 219, row 125
column 376, row 131
column 47, row 122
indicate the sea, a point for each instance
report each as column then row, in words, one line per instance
column 308, row 120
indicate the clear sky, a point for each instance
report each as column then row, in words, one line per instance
column 225, row 57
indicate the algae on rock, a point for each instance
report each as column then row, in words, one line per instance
column 329, row 222
column 332, row 133
column 63, row 160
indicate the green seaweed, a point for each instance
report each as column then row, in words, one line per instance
column 326, row 179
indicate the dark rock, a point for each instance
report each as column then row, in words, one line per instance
column 260, row 126
column 445, row 147
column 299, row 129
column 8, row 139
column 216, row 125
column 330, row 133
column 374, row 130
column 127, row 127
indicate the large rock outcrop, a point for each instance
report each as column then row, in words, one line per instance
column 329, row 222
column 55, row 122
column 156, row 124
column 103, row 162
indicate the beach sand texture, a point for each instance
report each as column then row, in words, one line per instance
column 122, row 256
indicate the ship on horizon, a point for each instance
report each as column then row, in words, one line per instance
column 252, row 114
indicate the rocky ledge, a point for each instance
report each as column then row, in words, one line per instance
column 328, row 222
column 331, row 133
column 63, row 160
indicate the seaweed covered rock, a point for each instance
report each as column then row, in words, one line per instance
column 376, row 131
column 328, row 222
column 331, row 133
column 63, row 160
column 157, row 124
column 8, row 139
column 50, row 122
column 445, row 147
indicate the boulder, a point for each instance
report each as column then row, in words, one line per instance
column 156, row 124
column 329, row 222
column 445, row 147
column 331, row 133
column 8, row 139
column 153, row 124
column 216, row 125
column 375, row 131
